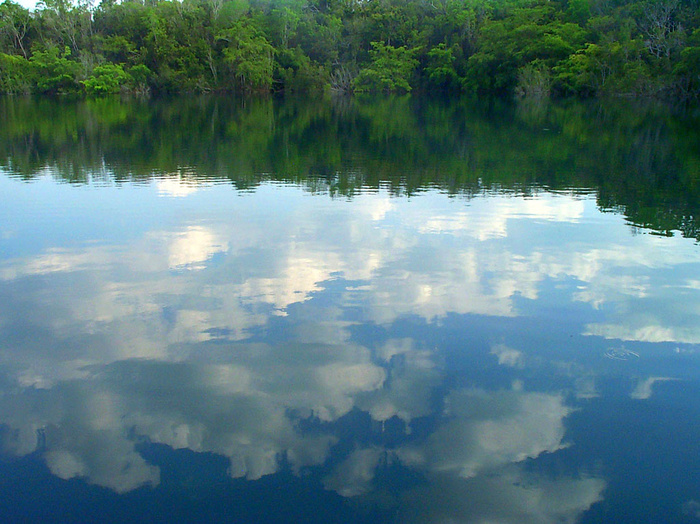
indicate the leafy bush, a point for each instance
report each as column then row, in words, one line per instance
column 296, row 72
column 14, row 77
column 106, row 79
column 55, row 72
column 390, row 71
column 441, row 69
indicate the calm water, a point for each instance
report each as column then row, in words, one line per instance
column 394, row 310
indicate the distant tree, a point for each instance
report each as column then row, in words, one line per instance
column 662, row 32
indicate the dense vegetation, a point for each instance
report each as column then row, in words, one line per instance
column 527, row 47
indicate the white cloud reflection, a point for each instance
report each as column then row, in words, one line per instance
column 242, row 411
column 193, row 247
column 644, row 388
column 472, row 461
column 488, row 218
column 177, row 186
column 160, row 328
column 491, row 429
column 427, row 261
column 483, row 432
column 512, row 497
column 507, row 356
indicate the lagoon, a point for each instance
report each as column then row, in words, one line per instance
column 346, row 310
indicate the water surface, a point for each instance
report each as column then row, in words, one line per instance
column 398, row 310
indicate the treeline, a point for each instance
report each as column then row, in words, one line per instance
column 496, row 47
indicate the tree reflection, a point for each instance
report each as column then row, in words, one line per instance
column 640, row 159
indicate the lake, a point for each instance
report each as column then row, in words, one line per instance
column 346, row 310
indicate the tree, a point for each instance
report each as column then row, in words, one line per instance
column 55, row 72
column 107, row 79
column 687, row 70
column 176, row 48
column 521, row 36
column 15, row 22
column 61, row 23
column 441, row 69
column 249, row 56
column 14, row 74
column 662, row 32
column 390, row 71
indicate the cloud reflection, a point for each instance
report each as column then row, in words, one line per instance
column 179, row 185
column 434, row 263
column 512, row 497
column 644, row 388
column 191, row 248
column 224, row 336
column 486, row 430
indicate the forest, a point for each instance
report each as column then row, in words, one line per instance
column 529, row 48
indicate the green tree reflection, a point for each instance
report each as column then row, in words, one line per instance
column 640, row 159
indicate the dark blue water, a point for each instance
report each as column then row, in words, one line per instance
column 298, row 312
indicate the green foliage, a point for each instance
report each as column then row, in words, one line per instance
column 62, row 23
column 116, row 48
column 390, row 70
column 55, row 72
column 15, row 24
column 687, row 70
column 295, row 71
column 534, row 80
column 14, row 74
column 141, row 78
column 121, row 29
column 508, row 44
column 284, row 21
column 174, row 47
column 614, row 68
column 579, row 11
column 441, row 70
column 248, row 55
column 489, row 47
column 107, row 79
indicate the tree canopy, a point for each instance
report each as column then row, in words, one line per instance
column 527, row 47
